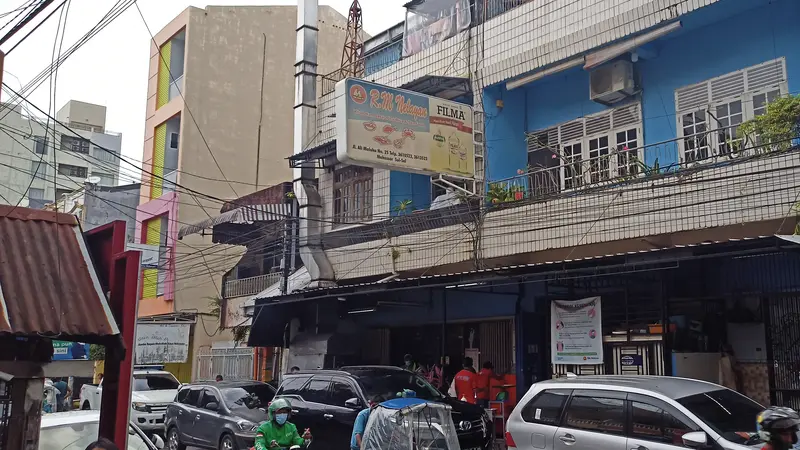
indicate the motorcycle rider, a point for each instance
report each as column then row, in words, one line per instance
column 277, row 431
column 778, row 427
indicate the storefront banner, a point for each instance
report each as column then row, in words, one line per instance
column 387, row 128
column 68, row 350
column 576, row 331
column 161, row 343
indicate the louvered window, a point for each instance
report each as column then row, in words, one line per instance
column 709, row 113
column 586, row 151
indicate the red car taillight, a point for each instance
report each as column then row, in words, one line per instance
column 510, row 441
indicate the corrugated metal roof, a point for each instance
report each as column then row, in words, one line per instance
column 48, row 284
column 243, row 215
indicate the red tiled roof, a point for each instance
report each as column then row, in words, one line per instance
column 48, row 284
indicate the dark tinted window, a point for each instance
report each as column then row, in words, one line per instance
column 181, row 397
column 546, row 407
column 730, row 414
column 154, row 382
column 192, row 397
column 292, row 386
column 601, row 415
column 341, row 392
column 209, row 396
column 317, row 390
column 386, row 385
column 251, row 396
column 655, row 424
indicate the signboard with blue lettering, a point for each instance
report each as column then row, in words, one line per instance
column 67, row 350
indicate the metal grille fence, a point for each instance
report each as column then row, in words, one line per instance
column 232, row 363
column 5, row 412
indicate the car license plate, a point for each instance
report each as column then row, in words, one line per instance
column 473, row 448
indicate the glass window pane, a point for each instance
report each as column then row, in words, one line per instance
column 546, row 407
column 601, row 415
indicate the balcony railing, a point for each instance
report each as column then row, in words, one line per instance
column 570, row 174
column 176, row 88
column 250, row 286
column 488, row 9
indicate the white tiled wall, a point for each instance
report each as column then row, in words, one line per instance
column 543, row 32
column 758, row 190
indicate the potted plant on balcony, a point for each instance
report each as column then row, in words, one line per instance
column 498, row 193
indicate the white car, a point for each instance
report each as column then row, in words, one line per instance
column 75, row 430
column 634, row 412
column 153, row 391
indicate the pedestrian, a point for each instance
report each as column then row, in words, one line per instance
column 63, row 394
column 465, row 382
column 294, row 369
column 484, row 384
column 409, row 364
column 102, row 444
column 360, row 425
column 219, row 378
column 277, row 431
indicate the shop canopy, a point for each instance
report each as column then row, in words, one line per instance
column 243, row 215
column 48, row 282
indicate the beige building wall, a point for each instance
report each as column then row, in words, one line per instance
column 235, row 85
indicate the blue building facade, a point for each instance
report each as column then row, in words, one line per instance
column 741, row 69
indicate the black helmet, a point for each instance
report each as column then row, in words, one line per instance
column 775, row 420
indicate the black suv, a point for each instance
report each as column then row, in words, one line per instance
column 221, row 415
column 328, row 401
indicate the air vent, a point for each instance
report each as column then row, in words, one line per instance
column 612, row 83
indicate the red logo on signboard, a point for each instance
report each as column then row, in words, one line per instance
column 358, row 93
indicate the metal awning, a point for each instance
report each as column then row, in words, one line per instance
column 297, row 281
column 323, row 155
column 447, row 88
column 48, row 282
column 242, row 215
column 520, row 271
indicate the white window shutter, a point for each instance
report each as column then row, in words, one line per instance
column 727, row 86
column 768, row 74
column 692, row 97
column 598, row 124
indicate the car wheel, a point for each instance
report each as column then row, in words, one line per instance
column 174, row 440
column 226, row 442
column 86, row 406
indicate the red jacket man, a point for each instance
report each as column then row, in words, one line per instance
column 466, row 382
column 484, row 384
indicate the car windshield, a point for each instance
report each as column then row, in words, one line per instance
column 78, row 436
column 250, row 396
column 730, row 414
column 154, row 382
column 388, row 385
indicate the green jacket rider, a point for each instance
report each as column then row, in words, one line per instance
column 277, row 431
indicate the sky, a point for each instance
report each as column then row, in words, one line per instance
column 111, row 69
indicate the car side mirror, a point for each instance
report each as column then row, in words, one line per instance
column 157, row 441
column 695, row 439
column 213, row 406
column 353, row 403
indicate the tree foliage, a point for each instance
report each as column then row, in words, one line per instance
column 779, row 127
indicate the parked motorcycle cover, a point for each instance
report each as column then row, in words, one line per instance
column 410, row 424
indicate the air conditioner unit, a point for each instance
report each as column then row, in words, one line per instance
column 612, row 83
column 173, row 140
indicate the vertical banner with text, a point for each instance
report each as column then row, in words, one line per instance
column 576, row 331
